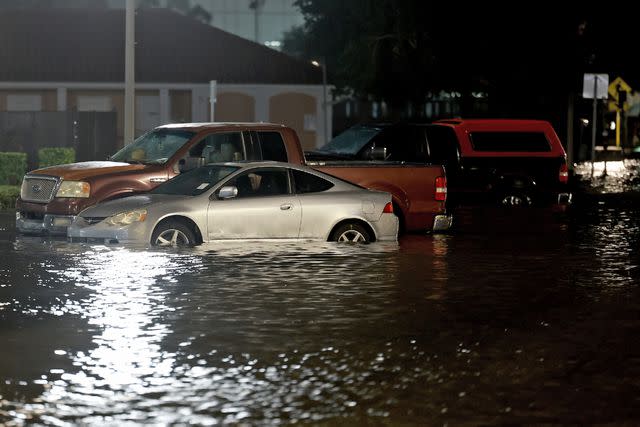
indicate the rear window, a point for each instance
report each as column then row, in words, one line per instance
column 308, row 183
column 272, row 146
column 510, row 141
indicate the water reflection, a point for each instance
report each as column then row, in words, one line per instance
column 519, row 316
column 610, row 177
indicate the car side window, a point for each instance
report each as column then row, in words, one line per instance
column 380, row 147
column 273, row 147
column 411, row 145
column 443, row 146
column 219, row 147
column 261, row 183
column 309, row 183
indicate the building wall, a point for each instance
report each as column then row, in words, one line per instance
column 235, row 107
column 298, row 106
column 180, row 109
column 48, row 98
column 297, row 111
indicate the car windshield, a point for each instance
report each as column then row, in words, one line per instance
column 196, row 181
column 155, row 147
column 351, row 141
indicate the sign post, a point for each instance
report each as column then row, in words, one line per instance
column 213, row 90
column 595, row 87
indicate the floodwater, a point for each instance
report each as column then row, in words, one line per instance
column 520, row 316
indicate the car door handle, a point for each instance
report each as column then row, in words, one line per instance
column 285, row 207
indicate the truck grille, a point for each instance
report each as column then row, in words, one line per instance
column 38, row 189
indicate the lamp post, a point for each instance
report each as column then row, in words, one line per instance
column 129, row 73
column 323, row 65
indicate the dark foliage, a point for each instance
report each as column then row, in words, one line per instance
column 525, row 56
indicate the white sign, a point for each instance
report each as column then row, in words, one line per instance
column 310, row 123
column 595, row 83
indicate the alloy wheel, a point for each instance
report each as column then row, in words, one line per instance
column 172, row 237
column 352, row 236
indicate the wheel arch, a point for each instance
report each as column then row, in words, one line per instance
column 356, row 220
column 184, row 219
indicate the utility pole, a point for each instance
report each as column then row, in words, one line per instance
column 256, row 5
column 129, row 73
column 323, row 66
column 327, row 137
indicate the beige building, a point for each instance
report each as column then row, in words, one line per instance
column 73, row 60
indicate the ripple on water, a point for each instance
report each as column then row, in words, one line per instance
column 491, row 324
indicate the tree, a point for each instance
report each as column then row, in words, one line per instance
column 405, row 51
column 377, row 49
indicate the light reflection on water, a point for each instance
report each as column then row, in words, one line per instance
column 610, row 177
column 514, row 318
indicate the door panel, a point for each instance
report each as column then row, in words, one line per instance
column 271, row 217
column 264, row 208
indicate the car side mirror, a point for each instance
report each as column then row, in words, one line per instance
column 228, row 192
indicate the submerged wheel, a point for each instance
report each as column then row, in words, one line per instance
column 173, row 233
column 351, row 233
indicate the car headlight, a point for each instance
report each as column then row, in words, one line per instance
column 74, row 189
column 126, row 218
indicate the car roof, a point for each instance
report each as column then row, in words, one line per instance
column 304, row 168
column 223, row 125
column 502, row 123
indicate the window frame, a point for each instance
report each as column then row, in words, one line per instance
column 256, row 134
column 292, row 178
column 290, row 190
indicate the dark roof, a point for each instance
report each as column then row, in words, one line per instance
column 87, row 45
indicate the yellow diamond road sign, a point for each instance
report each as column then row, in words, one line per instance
column 618, row 85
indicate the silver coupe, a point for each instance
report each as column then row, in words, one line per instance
column 266, row 200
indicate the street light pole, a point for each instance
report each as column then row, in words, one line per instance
column 324, row 100
column 323, row 66
column 129, row 73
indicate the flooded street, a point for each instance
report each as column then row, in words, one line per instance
column 519, row 316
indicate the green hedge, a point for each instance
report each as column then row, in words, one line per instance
column 13, row 166
column 53, row 156
column 8, row 196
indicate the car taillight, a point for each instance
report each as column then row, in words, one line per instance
column 388, row 208
column 441, row 189
column 564, row 173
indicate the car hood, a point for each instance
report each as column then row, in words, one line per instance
column 84, row 170
column 113, row 207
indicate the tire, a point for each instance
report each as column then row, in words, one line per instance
column 173, row 233
column 351, row 232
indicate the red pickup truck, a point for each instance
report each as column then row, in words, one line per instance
column 51, row 197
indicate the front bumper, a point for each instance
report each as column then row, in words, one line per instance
column 81, row 231
column 47, row 224
column 48, row 218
